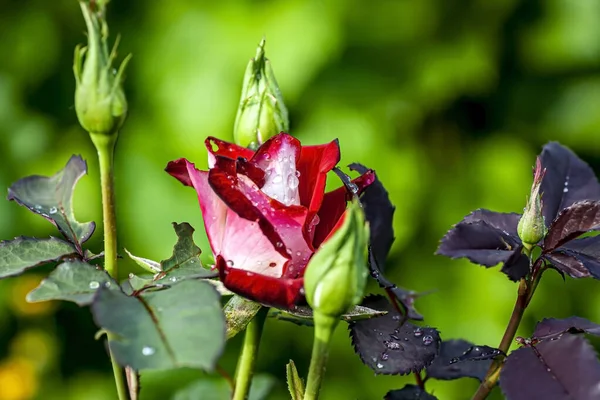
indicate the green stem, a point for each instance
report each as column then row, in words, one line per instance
column 525, row 293
column 105, row 145
column 245, row 368
column 324, row 327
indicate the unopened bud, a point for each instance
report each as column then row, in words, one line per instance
column 532, row 227
column 262, row 113
column 100, row 102
column 336, row 275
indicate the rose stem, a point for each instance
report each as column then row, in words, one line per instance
column 105, row 145
column 525, row 293
column 247, row 360
column 324, row 327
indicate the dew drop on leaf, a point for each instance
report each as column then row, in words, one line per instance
column 427, row 340
column 53, row 210
column 94, row 285
column 148, row 351
column 418, row 332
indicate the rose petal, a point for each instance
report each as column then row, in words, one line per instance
column 334, row 206
column 217, row 147
column 276, row 292
column 282, row 225
column 314, row 164
column 278, row 157
column 214, row 211
column 240, row 240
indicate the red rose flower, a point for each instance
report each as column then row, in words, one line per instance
column 266, row 212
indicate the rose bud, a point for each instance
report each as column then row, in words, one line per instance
column 532, row 227
column 262, row 113
column 100, row 102
column 336, row 275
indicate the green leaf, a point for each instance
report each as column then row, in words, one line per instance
column 219, row 389
column 22, row 253
column 303, row 315
column 294, row 382
column 74, row 281
column 238, row 313
column 182, row 326
column 51, row 198
column 149, row 265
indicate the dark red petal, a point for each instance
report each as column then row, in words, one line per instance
column 314, row 164
column 253, row 172
column 269, row 151
column 275, row 292
column 334, row 205
column 282, row 225
column 218, row 147
column 178, row 169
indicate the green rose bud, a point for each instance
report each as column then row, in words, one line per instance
column 336, row 275
column 532, row 227
column 262, row 113
column 100, row 102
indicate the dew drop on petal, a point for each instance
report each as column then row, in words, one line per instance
column 148, row 351
column 277, row 179
column 94, row 285
column 298, row 253
column 279, row 244
column 297, row 173
column 272, row 265
column 229, row 263
column 293, row 181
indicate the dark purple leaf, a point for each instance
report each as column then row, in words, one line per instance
column 405, row 297
column 506, row 222
column 459, row 358
column 551, row 327
column 567, row 264
column 562, row 369
column 51, row 197
column 568, row 179
column 487, row 243
column 389, row 346
column 578, row 258
column 380, row 214
column 409, row 392
column 572, row 222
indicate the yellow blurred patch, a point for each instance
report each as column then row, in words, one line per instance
column 36, row 346
column 18, row 380
column 20, row 288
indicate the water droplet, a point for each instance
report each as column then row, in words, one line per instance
column 548, row 369
column 267, row 157
column 249, row 273
column 302, row 292
column 277, row 179
column 173, row 279
column 279, row 244
column 352, row 187
column 94, row 285
column 131, row 275
column 53, row 210
column 392, row 345
column 229, row 263
column 298, row 174
column 396, row 318
column 427, row 340
column 148, row 351
column 298, row 253
column 107, row 284
column 406, row 339
column 394, row 337
column 379, row 365
column 565, row 190
column 385, row 356
column 37, row 207
column 293, row 181
column 192, row 261
column 272, row 265
column 418, row 332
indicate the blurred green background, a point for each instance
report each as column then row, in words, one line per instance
column 449, row 101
